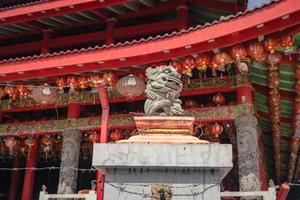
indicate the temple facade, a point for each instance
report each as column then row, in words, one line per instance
column 77, row 73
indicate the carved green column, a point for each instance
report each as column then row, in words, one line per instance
column 248, row 153
column 69, row 162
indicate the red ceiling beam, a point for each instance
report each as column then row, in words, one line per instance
column 218, row 5
column 244, row 28
column 119, row 33
column 52, row 8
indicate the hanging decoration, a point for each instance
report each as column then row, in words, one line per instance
column 44, row 94
column 72, row 83
column 287, row 42
column 130, row 86
column 202, row 62
column 257, row 52
column 216, row 129
column 29, row 142
column 177, row 65
column 190, row 104
column 23, row 91
column 109, row 79
column 222, row 59
column 219, row 99
column 188, row 64
column 61, row 83
column 271, row 45
column 117, row 135
column 47, row 142
column 2, row 93
column 94, row 137
column 12, row 92
column 10, row 143
column 238, row 53
column 83, row 82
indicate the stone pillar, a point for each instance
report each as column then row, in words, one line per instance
column 248, row 153
column 69, row 162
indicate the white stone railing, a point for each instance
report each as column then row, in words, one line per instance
column 266, row 195
column 91, row 196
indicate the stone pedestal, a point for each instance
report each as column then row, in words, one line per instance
column 69, row 162
column 172, row 171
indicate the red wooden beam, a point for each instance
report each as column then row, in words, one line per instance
column 50, row 9
column 147, row 52
column 283, row 192
column 218, row 5
column 119, row 33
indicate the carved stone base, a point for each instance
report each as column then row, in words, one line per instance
column 164, row 129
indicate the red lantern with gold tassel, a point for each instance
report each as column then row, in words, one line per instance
column 257, row 52
column 72, row 82
column 188, row 64
column 177, row 65
column 95, row 80
column 109, row 79
column 222, row 59
column 287, row 42
column 202, row 62
column 271, row 45
column 61, row 83
column 238, row 52
column 190, row 104
column 216, row 129
column 219, row 99
column 23, row 92
column 94, row 137
column 116, row 135
column 29, row 142
column 83, row 82
column 12, row 92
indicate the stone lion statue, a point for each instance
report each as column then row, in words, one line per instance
column 163, row 89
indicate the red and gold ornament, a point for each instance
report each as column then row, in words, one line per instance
column 216, row 129
column 109, row 79
column 29, row 142
column 238, row 52
column 271, row 45
column 188, row 64
column 222, row 59
column 190, row 104
column 12, row 92
column 202, row 61
column 218, row 99
column 116, row 135
column 72, row 82
column 83, row 82
column 95, row 81
column 177, row 65
column 287, row 42
column 94, row 137
column 257, row 52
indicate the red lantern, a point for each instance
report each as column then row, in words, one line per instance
column 95, row 80
column 94, row 137
column 238, row 52
column 12, row 92
column 219, row 99
column 142, row 76
column 202, row 62
column 61, row 83
column 257, row 52
column 29, row 142
column 177, row 65
column 190, row 104
column 109, row 79
column 287, row 42
column 10, row 142
column 216, row 129
column 2, row 92
column 83, row 82
column 72, row 82
column 116, row 135
column 222, row 59
column 46, row 140
column 188, row 64
column 130, row 86
column 270, row 45
column 23, row 91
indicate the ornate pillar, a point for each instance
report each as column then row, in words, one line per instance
column 248, row 153
column 69, row 162
column 30, row 173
